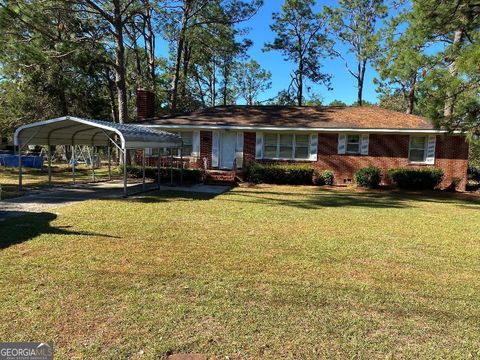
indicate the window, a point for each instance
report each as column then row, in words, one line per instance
column 417, row 149
column 187, row 137
column 270, row 146
column 353, row 144
column 302, row 144
column 286, row 146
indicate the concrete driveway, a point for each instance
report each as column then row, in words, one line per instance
column 41, row 200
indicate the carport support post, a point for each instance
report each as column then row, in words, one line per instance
column 158, row 168
column 143, row 170
column 124, row 172
column 92, row 160
column 171, row 168
column 74, row 160
column 109, row 154
column 181, row 166
column 49, row 157
column 20, row 187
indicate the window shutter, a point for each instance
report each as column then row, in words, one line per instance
column 215, row 148
column 342, row 143
column 196, row 144
column 239, row 150
column 364, row 144
column 313, row 146
column 431, row 143
column 259, row 146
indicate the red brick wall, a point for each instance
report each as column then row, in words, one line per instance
column 385, row 152
column 206, row 148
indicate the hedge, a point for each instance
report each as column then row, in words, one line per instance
column 280, row 174
column 189, row 175
column 416, row 179
column 368, row 177
column 324, row 177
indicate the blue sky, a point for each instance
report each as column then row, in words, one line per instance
column 344, row 84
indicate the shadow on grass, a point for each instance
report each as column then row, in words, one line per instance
column 325, row 198
column 18, row 227
column 156, row 196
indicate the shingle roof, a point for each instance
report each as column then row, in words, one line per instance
column 364, row 117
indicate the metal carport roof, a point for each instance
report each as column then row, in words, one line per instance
column 69, row 130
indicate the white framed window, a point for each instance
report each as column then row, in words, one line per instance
column 286, row 146
column 302, row 144
column 353, row 144
column 417, row 152
column 187, row 138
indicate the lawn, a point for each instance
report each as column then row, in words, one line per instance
column 271, row 272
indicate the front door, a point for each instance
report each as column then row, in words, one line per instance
column 227, row 150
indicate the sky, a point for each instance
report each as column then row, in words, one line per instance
column 343, row 83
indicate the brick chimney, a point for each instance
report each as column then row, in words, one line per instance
column 145, row 104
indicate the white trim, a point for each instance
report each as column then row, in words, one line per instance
column 294, row 147
column 364, row 144
column 425, row 148
column 215, row 149
column 239, row 150
column 63, row 118
column 306, row 129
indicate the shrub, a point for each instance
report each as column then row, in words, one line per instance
column 189, row 175
column 474, row 173
column 416, row 179
column 368, row 177
column 324, row 177
column 280, row 174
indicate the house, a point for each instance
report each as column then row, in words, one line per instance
column 341, row 139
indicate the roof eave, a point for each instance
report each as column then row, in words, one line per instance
column 303, row 128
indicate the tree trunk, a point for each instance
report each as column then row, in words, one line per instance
column 362, row 66
column 187, row 52
column 178, row 59
column 411, row 95
column 120, row 80
column 111, row 94
column 452, row 69
column 213, row 81
column 226, row 76
column 150, row 42
column 300, row 83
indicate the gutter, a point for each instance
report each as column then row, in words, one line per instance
column 304, row 129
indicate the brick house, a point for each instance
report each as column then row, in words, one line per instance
column 341, row 139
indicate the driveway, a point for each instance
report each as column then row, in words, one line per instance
column 41, row 200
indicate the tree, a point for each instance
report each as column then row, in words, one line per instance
column 354, row 22
column 401, row 64
column 188, row 15
column 113, row 17
column 300, row 38
column 451, row 88
column 252, row 80
column 51, row 64
column 337, row 103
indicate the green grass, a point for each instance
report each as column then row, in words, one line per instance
column 270, row 272
column 38, row 178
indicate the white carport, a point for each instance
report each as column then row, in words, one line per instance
column 74, row 131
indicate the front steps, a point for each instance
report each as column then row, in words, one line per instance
column 221, row 177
